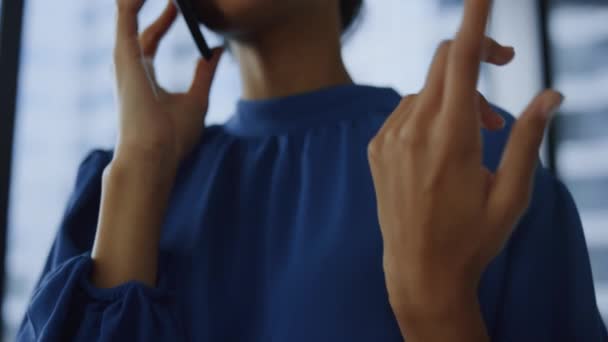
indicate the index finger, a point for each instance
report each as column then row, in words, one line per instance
column 466, row 55
column 127, row 43
column 127, row 50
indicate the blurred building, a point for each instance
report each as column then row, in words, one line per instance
column 579, row 37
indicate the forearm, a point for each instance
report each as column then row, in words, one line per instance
column 134, row 199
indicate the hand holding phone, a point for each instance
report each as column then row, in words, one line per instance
column 157, row 130
column 153, row 117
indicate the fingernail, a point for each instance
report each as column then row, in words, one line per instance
column 553, row 104
column 504, row 54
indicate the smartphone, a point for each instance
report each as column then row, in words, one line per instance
column 187, row 10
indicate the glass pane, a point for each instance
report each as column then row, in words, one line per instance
column 579, row 36
column 66, row 104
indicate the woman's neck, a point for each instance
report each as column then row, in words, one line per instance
column 300, row 55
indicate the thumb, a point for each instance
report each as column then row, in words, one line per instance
column 203, row 78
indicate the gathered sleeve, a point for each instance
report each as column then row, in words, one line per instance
column 65, row 306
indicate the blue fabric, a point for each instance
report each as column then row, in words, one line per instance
column 272, row 235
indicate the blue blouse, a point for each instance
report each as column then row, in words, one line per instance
column 272, row 235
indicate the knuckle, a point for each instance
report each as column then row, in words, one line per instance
column 408, row 99
column 443, row 51
column 373, row 148
column 391, row 135
column 445, row 45
column 412, row 138
column 406, row 103
column 403, row 133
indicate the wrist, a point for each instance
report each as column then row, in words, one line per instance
column 135, row 196
column 455, row 320
column 152, row 154
column 146, row 169
column 429, row 294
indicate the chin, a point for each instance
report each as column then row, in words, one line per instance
column 239, row 17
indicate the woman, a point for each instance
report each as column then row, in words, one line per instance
column 323, row 210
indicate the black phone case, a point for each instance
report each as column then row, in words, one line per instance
column 185, row 7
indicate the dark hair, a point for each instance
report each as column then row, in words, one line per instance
column 349, row 9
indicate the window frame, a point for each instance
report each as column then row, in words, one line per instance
column 548, row 72
column 11, row 21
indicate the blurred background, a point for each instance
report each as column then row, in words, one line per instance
column 57, row 102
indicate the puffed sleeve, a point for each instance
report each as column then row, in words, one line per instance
column 549, row 292
column 65, row 306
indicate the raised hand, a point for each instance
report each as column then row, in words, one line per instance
column 443, row 216
column 157, row 130
column 153, row 122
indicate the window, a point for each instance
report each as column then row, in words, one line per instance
column 579, row 46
